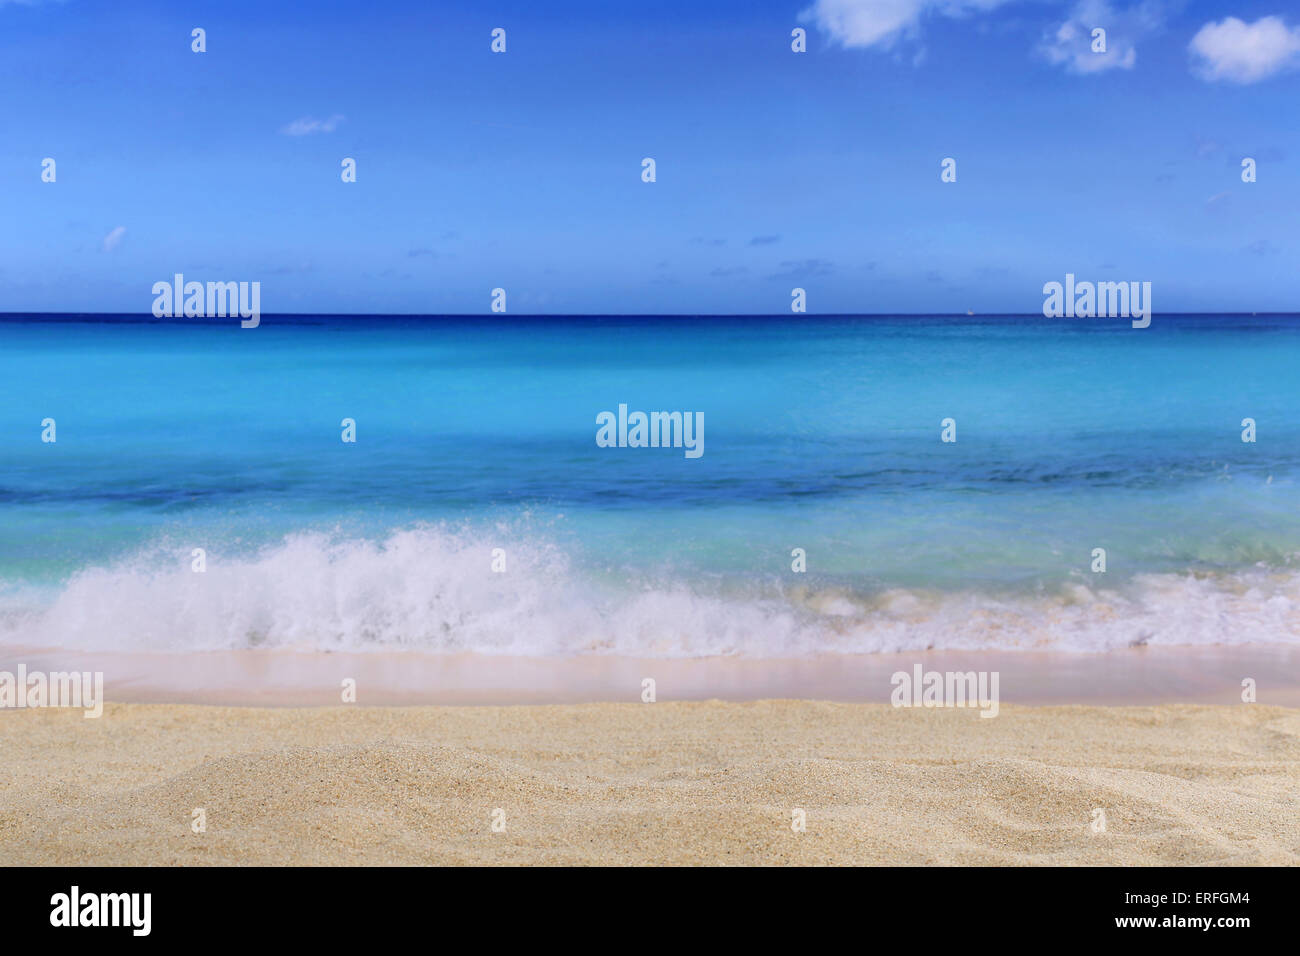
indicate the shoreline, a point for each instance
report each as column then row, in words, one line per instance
column 281, row 678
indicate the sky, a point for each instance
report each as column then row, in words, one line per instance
column 774, row 169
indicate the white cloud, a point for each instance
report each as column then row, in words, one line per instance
column 880, row 23
column 114, row 238
column 1245, row 52
column 308, row 125
column 1070, row 44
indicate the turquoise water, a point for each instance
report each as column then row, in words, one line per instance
column 821, row 433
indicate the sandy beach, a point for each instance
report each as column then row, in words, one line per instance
column 665, row 783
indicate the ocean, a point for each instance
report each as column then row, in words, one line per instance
column 476, row 433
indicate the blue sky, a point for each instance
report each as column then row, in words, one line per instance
column 522, row 170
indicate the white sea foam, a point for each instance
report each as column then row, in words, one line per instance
column 432, row 588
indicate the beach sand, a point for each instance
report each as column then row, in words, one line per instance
column 665, row 783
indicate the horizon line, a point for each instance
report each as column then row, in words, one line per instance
column 626, row 315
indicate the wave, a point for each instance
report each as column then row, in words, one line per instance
column 432, row 588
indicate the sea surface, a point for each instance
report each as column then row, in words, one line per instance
column 479, row 433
